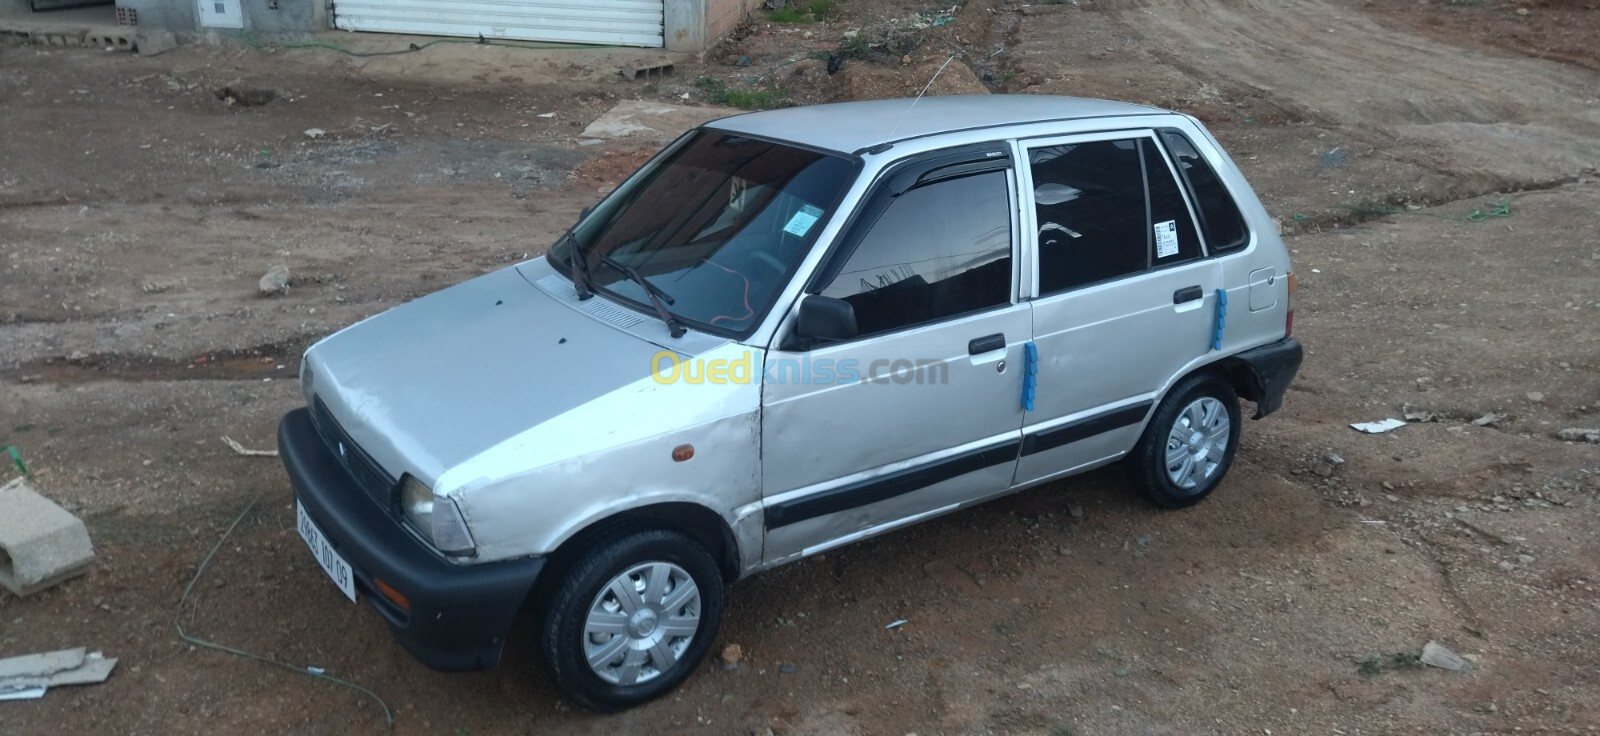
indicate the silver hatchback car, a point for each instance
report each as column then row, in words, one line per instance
column 789, row 331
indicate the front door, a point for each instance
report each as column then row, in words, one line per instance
column 922, row 411
column 1126, row 299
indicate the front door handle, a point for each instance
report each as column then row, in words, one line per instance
column 987, row 343
column 1187, row 294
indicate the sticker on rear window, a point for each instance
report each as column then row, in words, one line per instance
column 1166, row 239
column 802, row 221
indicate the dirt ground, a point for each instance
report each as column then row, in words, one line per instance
column 1433, row 166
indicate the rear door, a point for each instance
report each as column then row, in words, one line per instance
column 1125, row 297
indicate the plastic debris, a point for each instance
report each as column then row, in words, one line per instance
column 1379, row 427
column 897, row 623
column 31, row 675
column 1435, row 654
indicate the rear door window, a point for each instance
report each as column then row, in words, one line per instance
column 1172, row 228
column 1089, row 201
column 1219, row 216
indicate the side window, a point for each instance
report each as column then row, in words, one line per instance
column 1172, row 229
column 937, row 251
column 1089, row 198
column 1219, row 216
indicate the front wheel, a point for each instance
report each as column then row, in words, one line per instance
column 1189, row 443
column 632, row 620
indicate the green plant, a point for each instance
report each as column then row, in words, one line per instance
column 857, row 46
column 1373, row 665
column 790, row 14
column 809, row 12
column 718, row 93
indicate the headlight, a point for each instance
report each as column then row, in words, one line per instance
column 439, row 519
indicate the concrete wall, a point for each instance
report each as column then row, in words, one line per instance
column 722, row 16
column 180, row 16
column 693, row 25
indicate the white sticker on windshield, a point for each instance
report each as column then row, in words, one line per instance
column 1166, row 239
column 802, row 221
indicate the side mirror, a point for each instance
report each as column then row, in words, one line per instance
column 825, row 318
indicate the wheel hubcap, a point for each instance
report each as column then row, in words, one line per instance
column 641, row 623
column 1197, row 443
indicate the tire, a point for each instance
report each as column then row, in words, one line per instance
column 625, row 607
column 1197, row 464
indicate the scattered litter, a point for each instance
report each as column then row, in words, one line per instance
column 16, row 459
column 1380, row 427
column 1413, row 414
column 1575, row 434
column 315, row 670
column 27, row 693
column 275, row 281
column 1374, row 521
column 30, row 675
column 545, row 115
column 1488, row 420
column 897, row 623
column 1435, row 654
column 242, row 450
column 788, row 669
column 315, row 133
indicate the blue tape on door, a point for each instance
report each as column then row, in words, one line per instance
column 1222, row 320
column 1030, row 374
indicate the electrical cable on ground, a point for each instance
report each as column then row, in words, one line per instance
column 177, row 623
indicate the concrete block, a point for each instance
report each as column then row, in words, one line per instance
column 111, row 37
column 152, row 42
column 41, row 544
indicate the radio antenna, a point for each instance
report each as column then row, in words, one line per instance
column 924, row 91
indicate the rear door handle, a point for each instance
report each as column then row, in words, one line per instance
column 1187, row 294
column 987, row 343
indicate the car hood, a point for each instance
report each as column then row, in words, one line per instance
column 432, row 383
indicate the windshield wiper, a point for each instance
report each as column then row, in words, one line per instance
column 659, row 298
column 580, row 267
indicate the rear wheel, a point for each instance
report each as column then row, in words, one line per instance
column 1189, row 443
column 632, row 620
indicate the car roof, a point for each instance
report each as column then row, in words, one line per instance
column 853, row 126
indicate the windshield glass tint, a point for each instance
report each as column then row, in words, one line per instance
column 717, row 226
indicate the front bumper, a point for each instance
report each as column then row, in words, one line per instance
column 458, row 615
column 1272, row 367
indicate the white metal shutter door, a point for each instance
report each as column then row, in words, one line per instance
column 612, row 22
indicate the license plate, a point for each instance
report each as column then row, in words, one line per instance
column 331, row 562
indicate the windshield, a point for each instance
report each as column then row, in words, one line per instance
column 716, row 227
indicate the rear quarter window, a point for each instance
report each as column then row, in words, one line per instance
column 1220, row 219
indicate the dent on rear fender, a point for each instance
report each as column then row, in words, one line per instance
column 534, row 491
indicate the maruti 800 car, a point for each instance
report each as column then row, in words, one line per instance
column 788, row 331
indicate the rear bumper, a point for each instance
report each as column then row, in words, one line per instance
column 458, row 615
column 1273, row 366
